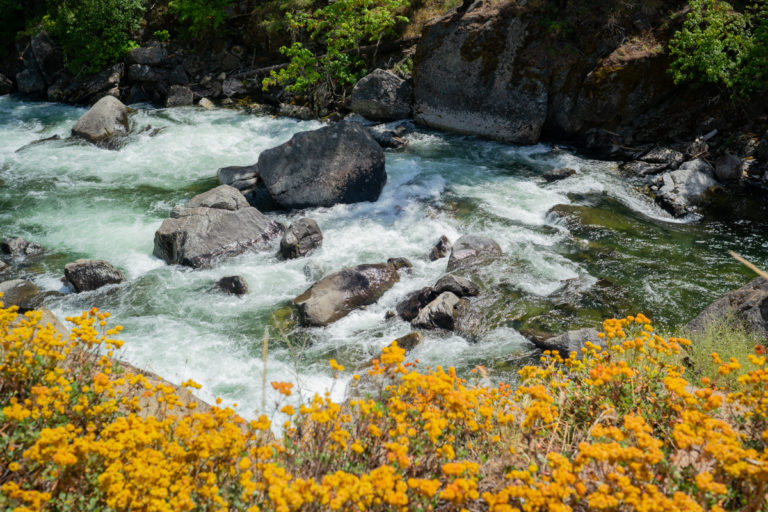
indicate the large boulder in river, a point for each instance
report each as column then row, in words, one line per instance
column 382, row 96
column 470, row 250
column 470, row 77
column 18, row 292
column 679, row 190
column 748, row 304
column 335, row 164
column 107, row 118
column 17, row 247
column 301, row 238
column 87, row 275
column 337, row 295
column 214, row 224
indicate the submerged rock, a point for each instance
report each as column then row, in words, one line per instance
column 335, row 164
column 215, row 224
column 19, row 248
column 471, row 250
column 749, row 304
column 87, row 275
column 338, row 294
column 441, row 248
column 301, row 238
column 558, row 174
column 233, row 285
column 381, row 96
column 18, row 292
column 107, row 118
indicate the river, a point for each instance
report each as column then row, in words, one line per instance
column 609, row 251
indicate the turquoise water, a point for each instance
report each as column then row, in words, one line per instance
column 609, row 251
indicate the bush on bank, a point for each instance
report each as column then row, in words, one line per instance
column 618, row 429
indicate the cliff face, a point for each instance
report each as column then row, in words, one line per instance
column 516, row 74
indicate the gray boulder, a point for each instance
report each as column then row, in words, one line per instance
column 145, row 73
column 4, row 266
column 222, row 197
column 6, row 85
column 470, row 76
column 301, row 238
column 457, row 285
column 179, row 96
column 728, row 167
column 215, row 224
column 337, row 295
column 240, row 177
column 87, row 275
column 206, row 104
column 30, row 82
column 18, row 292
column 441, row 313
column 471, row 250
column 749, row 304
column 441, row 248
column 340, row 163
column 571, row 341
column 149, row 55
column 19, row 248
column 679, row 190
column 233, row 285
column 558, row 174
column 107, row 118
column 382, row 96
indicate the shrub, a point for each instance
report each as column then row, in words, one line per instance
column 340, row 29
column 94, row 33
column 618, row 429
column 201, row 17
column 720, row 45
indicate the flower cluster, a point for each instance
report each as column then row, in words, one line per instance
column 615, row 427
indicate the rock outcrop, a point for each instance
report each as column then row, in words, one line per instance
column 301, row 238
column 471, row 250
column 215, row 224
column 748, row 304
column 382, row 96
column 86, row 275
column 107, row 118
column 335, row 164
column 338, row 294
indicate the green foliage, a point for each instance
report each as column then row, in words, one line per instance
column 201, row 17
column 340, row 29
column 720, row 45
column 94, row 33
column 162, row 35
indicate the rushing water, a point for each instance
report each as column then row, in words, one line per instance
column 608, row 251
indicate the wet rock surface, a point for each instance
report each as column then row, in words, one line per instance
column 213, row 225
column 301, row 238
column 86, row 275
